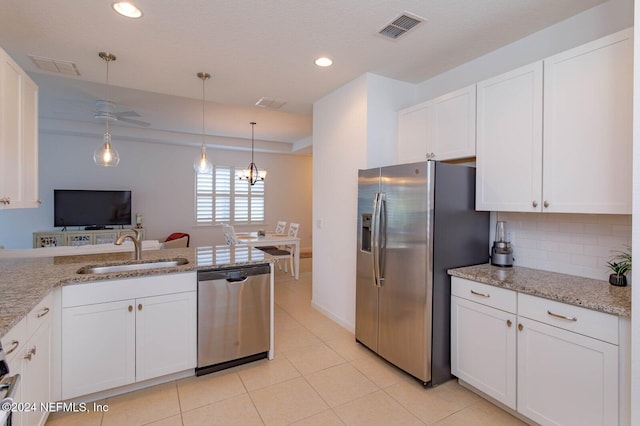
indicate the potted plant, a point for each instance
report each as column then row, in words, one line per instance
column 620, row 264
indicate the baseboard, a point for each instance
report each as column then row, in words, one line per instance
column 349, row 327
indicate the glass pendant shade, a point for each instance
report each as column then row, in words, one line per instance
column 106, row 155
column 202, row 164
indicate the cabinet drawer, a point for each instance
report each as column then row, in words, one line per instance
column 569, row 317
column 485, row 294
column 13, row 342
column 41, row 313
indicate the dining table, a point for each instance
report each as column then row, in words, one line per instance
column 252, row 239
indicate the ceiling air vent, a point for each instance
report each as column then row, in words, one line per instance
column 400, row 25
column 55, row 65
column 270, row 103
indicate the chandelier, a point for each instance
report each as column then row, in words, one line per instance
column 251, row 173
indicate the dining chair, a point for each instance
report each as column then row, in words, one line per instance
column 281, row 226
column 287, row 252
column 229, row 232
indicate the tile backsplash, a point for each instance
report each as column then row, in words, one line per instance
column 576, row 244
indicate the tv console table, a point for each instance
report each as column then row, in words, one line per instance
column 80, row 237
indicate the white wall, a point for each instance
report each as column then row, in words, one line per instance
column 594, row 23
column 161, row 179
column 576, row 244
column 342, row 146
column 353, row 128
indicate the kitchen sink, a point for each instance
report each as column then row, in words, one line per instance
column 132, row 266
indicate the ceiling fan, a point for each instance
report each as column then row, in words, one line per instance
column 106, row 110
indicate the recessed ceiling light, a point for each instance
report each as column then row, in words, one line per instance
column 127, row 9
column 323, row 61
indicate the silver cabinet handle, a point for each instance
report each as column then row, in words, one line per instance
column 44, row 312
column 30, row 354
column 534, row 204
column 562, row 316
column 546, row 204
column 14, row 346
column 480, row 294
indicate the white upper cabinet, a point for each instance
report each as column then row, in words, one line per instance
column 588, row 127
column 565, row 147
column 509, row 144
column 443, row 128
column 414, row 133
column 18, row 136
column 454, row 124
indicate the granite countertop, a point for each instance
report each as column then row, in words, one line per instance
column 25, row 282
column 586, row 292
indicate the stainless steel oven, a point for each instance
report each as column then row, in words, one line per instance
column 8, row 388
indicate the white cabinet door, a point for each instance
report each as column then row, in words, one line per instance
column 414, row 133
column 165, row 334
column 36, row 374
column 98, row 347
column 18, row 136
column 454, row 124
column 29, row 195
column 483, row 349
column 565, row 378
column 10, row 132
column 588, row 127
column 509, row 141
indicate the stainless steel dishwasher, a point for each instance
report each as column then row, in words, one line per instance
column 233, row 317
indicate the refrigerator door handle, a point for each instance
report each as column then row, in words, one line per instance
column 382, row 238
column 374, row 238
column 376, row 246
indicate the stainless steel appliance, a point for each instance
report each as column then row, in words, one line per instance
column 501, row 251
column 8, row 388
column 233, row 317
column 415, row 222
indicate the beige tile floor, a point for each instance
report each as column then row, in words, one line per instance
column 320, row 376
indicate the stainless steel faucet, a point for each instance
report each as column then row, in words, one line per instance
column 136, row 242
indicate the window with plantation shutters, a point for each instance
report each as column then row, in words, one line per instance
column 222, row 198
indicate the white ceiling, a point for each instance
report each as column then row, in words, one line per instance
column 252, row 48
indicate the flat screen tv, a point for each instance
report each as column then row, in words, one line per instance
column 92, row 209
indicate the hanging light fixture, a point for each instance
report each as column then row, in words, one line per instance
column 106, row 155
column 202, row 164
column 251, row 173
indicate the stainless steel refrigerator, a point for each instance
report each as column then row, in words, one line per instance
column 415, row 221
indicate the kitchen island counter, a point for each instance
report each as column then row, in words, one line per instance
column 585, row 292
column 24, row 282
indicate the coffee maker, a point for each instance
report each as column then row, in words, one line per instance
column 501, row 252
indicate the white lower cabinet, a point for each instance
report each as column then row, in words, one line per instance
column 148, row 331
column 28, row 349
column 553, row 363
column 566, row 378
column 483, row 345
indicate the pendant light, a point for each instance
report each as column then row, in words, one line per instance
column 202, row 164
column 106, row 155
column 251, row 173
